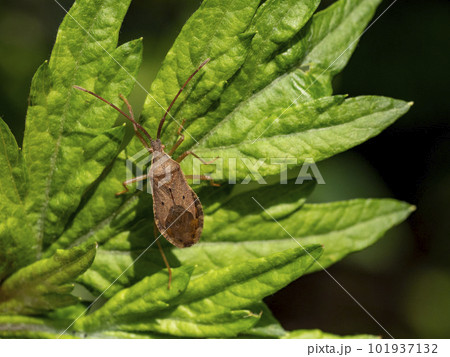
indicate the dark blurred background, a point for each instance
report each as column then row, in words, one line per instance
column 403, row 280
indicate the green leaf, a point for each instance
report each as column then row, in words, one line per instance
column 233, row 214
column 128, row 335
column 238, row 230
column 210, row 305
column 110, row 265
column 209, row 298
column 17, row 246
column 225, row 324
column 12, row 170
column 230, row 129
column 242, row 284
column 16, row 326
column 257, row 70
column 63, row 125
column 334, row 34
column 217, row 30
column 146, row 297
column 328, row 126
column 46, row 284
column 232, row 219
column 283, row 204
column 267, row 326
column 341, row 227
column 105, row 215
column 317, row 334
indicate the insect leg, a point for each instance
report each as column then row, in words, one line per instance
column 183, row 156
column 180, row 140
column 203, row 177
column 163, row 255
column 136, row 129
column 128, row 182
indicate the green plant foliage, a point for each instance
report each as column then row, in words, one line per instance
column 145, row 298
column 62, row 126
column 17, row 246
column 238, row 229
column 209, row 306
column 17, row 326
column 317, row 334
column 45, row 284
column 266, row 93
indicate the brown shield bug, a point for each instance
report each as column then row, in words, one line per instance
column 177, row 210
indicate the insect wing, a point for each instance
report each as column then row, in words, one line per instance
column 177, row 209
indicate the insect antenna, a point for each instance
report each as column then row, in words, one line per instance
column 130, row 117
column 158, row 135
column 136, row 131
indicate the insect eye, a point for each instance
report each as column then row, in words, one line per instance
column 162, row 203
column 183, row 197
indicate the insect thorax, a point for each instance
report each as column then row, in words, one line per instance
column 163, row 166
